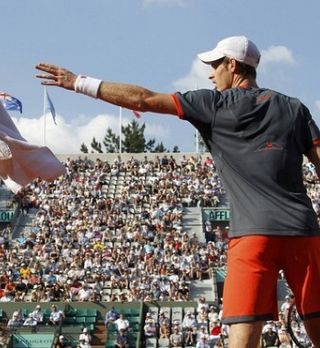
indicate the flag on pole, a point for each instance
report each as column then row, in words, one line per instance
column 21, row 162
column 10, row 103
column 48, row 106
column 136, row 113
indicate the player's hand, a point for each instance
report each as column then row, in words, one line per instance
column 56, row 76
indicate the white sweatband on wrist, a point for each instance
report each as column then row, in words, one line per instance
column 87, row 85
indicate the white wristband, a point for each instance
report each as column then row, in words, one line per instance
column 87, row 85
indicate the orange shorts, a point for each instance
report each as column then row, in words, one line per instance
column 250, row 289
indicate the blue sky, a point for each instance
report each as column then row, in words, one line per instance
column 152, row 43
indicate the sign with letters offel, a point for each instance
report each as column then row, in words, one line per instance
column 216, row 214
column 6, row 215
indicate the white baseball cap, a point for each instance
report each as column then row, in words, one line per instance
column 238, row 47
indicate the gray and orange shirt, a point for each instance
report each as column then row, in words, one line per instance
column 257, row 138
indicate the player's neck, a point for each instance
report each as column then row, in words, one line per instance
column 245, row 83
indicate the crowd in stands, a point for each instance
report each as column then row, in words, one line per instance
column 113, row 231
column 35, row 317
column 200, row 326
column 311, row 182
column 112, row 225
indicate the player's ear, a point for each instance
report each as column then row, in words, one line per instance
column 234, row 65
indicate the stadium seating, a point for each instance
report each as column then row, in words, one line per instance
column 110, row 198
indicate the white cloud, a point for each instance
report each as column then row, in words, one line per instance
column 65, row 138
column 277, row 54
column 157, row 131
column 181, row 3
column 317, row 104
column 196, row 78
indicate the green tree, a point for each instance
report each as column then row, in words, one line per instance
column 160, row 148
column 149, row 147
column 95, row 145
column 84, row 148
column 111, row 142
column 175, row 148
column 134, row 140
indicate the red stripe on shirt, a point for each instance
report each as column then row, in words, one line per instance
column 178, row 105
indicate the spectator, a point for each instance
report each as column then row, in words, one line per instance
column 83, row 344
column 30, row 321
column 203, row 342
column 14, row 322
column 270, row 338
column 286, row 305
column 7, row 296
column 302, row 338
column 269, row 324
column 122, row 323
column 164, row 325
column 62, row 343
column 215, row 332
column 121, row 340
column 24, row 271
column 209, row 233
column 284, row 338
column 202, row 304
column 175, row 338
column 150, row 328
column 85, row 336
column 85, row 293
column 56, row 316
column 202, row 332
column 111, row 316
column 21, row 290
column 212, row 314
column 37, row 314
column 202, row 317
column 51, row 278
column 282, row 319
column 10, row 286
column 203, row 268
column 35, row 293
column 189, row 326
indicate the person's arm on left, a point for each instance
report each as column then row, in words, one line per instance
column 126, row 95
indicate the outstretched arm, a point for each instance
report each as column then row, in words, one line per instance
column 126, row 95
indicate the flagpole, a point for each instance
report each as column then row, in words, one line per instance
column 44, row 116
column 120, row 130
column 197, row 134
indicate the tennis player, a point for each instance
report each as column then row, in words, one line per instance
column 257, row 138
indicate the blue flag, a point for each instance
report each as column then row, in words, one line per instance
column 48, row 106
column 9, row 102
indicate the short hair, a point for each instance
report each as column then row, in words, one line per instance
column 243, row 69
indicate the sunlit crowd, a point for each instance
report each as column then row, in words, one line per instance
column 113, row 231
